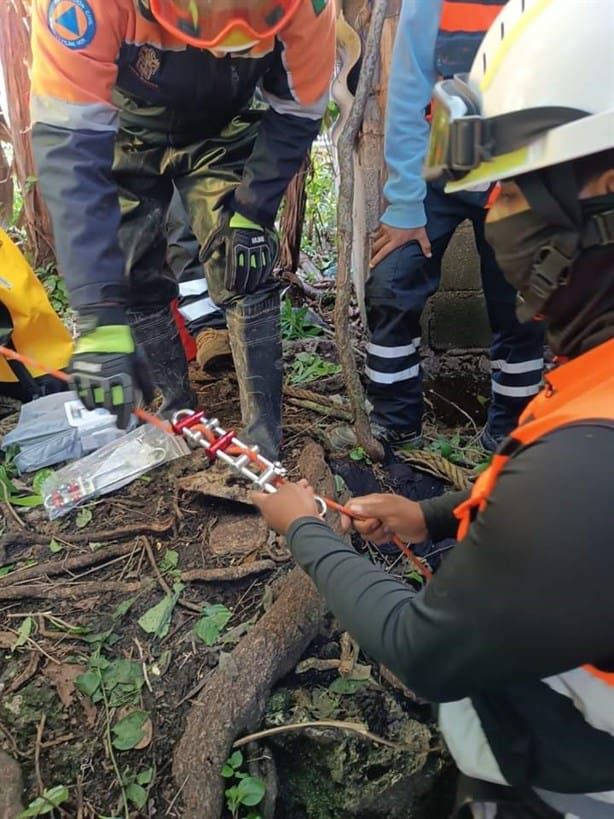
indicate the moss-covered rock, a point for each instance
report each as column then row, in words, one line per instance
column 335, row 774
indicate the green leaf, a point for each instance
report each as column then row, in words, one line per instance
column 26, row 500
column 128, row 731
column 232, row 798
column 345, row 686
column 25, row 629
column 51, row 798
column 235, row 760
column 4, row 479
column 250, row 791
column 7, row 569
column 211, row 623
column 169, row 561
column 136, row 794
column 56, row 547
column 39, row 478
column 310, row 366
column 83, row 517
column 122, row 672
column 123, row 608
column 145, row 777
column 157, row 620
column 228, row 771
column 88, row 682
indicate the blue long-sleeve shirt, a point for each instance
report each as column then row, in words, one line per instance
column 412, row 77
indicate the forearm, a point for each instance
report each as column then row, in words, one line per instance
column 412, row 77
column 504, row 606
column 439, row 514
column 75, row 177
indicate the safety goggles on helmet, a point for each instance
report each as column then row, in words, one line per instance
column 461, row 138
column 217, row 23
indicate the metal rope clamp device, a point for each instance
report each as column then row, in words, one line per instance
column 248, row 463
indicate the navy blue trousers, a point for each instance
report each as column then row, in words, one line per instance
column 396, row 293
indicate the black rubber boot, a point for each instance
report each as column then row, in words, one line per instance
column 255, row 339
column 157, row 335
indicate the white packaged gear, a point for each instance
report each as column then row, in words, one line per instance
column 109, row 468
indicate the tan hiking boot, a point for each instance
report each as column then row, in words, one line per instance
column 213, row 351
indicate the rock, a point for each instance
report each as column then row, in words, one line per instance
column 332, row 774
column 11, row 787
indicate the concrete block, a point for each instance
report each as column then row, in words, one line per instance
column 460, row 269
column 456, row 320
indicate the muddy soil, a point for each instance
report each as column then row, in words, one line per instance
column 89, row 698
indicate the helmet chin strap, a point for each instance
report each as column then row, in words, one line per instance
column 553, row 195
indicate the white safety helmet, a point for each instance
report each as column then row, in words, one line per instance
column 540, row 93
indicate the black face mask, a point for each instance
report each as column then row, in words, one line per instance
column 521, row 243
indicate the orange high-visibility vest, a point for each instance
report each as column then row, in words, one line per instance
column 578, row 392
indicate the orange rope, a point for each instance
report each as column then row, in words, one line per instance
column 143, row 415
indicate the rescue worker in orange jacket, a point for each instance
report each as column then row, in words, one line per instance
column 136, row 98
column 514, row 635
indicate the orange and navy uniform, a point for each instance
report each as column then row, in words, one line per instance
column 461, row 30
column 100, row 65
column 514, row 633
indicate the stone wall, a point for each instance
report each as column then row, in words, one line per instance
column 456, row 336
column 455, row 317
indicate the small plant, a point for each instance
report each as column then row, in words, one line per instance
column 212, row 621
column 308, row 367
column 50, row 799
column 318, row 240
column 14, row 492
column 169, row 564
column 157, row 619
column 117, row 681
column 245, row 791
column 55, row 286
column 359, row 454
column 295, row 324
column 134, row 784
column 83, row 517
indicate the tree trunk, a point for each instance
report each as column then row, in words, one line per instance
column 369, row 162
column 291, row 227
column 15, row 53
column 235, row 695
column 346, row 230
column 6, row 175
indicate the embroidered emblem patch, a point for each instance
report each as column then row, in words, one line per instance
column 147, row 63
column 72, row 22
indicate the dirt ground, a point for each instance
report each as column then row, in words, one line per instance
column 111, row 623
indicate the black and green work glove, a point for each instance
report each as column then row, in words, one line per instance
column 106, row 369
column 249, row 252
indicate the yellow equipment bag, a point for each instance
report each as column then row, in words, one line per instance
column 29, row 325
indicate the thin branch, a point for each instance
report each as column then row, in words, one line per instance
column 354, row 727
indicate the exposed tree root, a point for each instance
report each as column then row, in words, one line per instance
column 23, row 540
column 234, row 697
column 226, row 574
column 68, row 591
column 11, row 785
column 68, row 566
